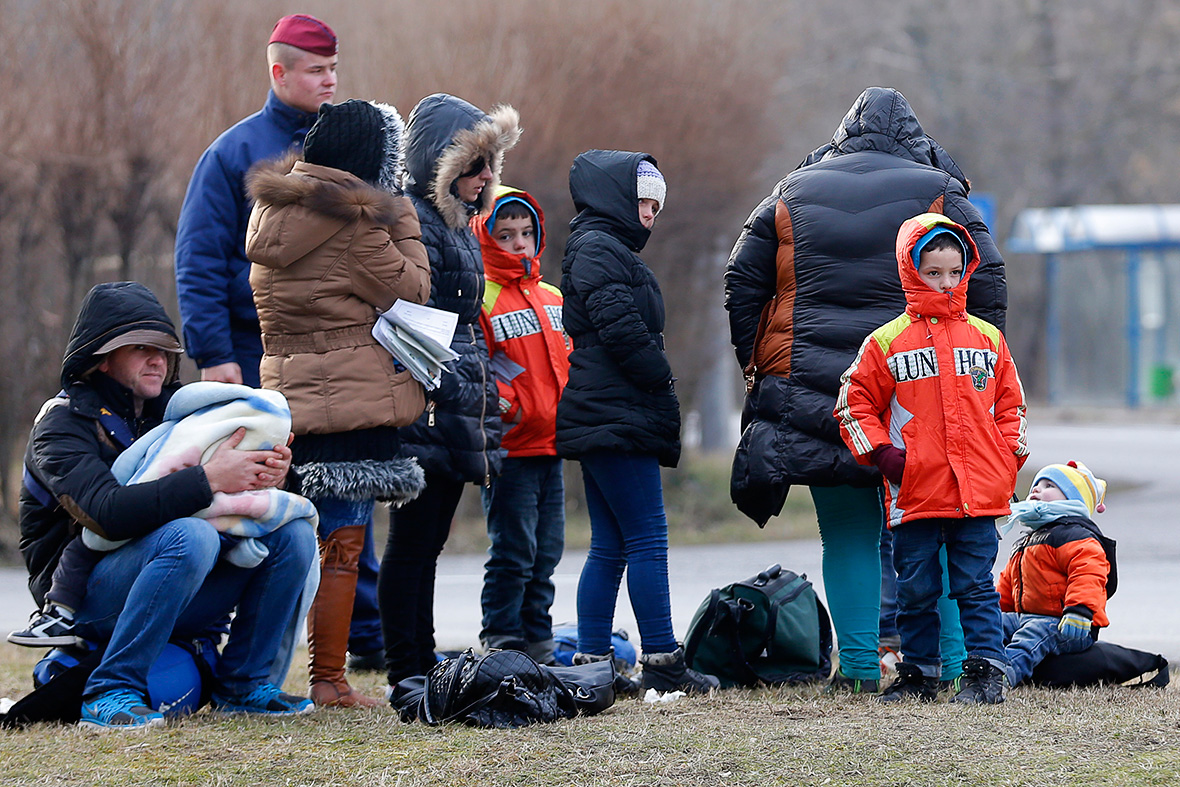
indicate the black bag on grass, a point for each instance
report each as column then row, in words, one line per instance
column 504, row 688
column 1102, row 662
column 771, row 628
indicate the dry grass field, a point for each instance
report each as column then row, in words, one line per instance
column 1110, row 736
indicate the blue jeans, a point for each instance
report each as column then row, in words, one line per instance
column 1028, row 639
column 950, row 632
column 170, row 583
column 971, row 546
column 628, row 530
column 888, row 625
column 525, row 507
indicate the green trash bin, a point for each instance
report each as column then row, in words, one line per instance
column 1162, row 381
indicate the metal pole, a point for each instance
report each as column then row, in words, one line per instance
column 1133, row 328
column 1053, row 330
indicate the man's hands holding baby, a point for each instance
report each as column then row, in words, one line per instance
column 230, row 470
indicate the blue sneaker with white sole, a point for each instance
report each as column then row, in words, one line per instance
column 120, row 709
column 267, row 699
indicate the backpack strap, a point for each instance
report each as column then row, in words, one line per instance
column 37, row 489
column 767, row 644
column 725, row 622
column 116, row 428
column 1108, row 546
column 29, row 479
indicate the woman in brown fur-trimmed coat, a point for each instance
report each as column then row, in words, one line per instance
column 333, row 241
column 454, row 153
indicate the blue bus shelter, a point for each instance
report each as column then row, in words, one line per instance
column 1131, row 229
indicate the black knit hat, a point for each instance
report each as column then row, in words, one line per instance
column 348, row 136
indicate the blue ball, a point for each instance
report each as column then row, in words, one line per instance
column 174, row 682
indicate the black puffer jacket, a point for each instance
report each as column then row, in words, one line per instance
column 620, row 395
column 68, row 482
column 814, row 272
column 459, row 434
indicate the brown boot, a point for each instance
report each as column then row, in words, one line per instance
column 329, row 620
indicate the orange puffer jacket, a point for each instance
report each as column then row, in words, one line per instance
column 1057, row 566
column 941, row 385
column 521, row 319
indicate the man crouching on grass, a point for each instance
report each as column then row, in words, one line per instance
column 118, row 374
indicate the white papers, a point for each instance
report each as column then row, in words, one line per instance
column 419, row 338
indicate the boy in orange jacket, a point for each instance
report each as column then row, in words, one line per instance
column 1054, row 589
column 934, row 401
column 529, row 353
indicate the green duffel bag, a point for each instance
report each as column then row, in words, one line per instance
column 770, row 629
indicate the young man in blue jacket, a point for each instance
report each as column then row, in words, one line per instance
column 212, row 272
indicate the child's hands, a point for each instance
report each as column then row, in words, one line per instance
column 278, row 465
column 890, row 460
column 1075, row 627
column 230, row 470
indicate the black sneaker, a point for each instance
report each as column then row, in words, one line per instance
column 910, row 683
column 951, row 685
column 842, row 684
column 373, row 661
column 53, row 628
column 983, row 683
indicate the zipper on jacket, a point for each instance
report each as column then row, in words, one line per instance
column 430, row 413
column 483, row 412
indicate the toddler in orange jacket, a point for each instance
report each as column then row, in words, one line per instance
column 529, row 351
column 934, row 401
column 1054, row 589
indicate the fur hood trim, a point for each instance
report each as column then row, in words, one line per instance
column 488, row 139
column 396, row 481
column 390, row 177
column 331, row 192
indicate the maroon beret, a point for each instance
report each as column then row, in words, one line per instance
column 304, row 32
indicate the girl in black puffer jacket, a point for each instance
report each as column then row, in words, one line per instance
column 618, row 414
column 454, row 153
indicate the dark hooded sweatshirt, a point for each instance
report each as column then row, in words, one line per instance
column 814, row 272
column 76, row 438
column 620, row 395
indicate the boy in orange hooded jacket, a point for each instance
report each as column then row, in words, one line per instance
column 934, row 401
column 529, row 353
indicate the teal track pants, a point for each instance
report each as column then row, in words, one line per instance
column 850, row 523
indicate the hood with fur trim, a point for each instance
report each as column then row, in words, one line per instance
column 324, row 199
column 390, row 177
column 444, row 136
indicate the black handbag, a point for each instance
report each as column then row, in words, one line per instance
column 502, row 689
column 592, row 685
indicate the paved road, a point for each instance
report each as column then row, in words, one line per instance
column 1138, row 460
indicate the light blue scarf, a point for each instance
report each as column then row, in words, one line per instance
column 1036, row 513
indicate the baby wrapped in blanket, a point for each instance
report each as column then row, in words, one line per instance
column 198, row 419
